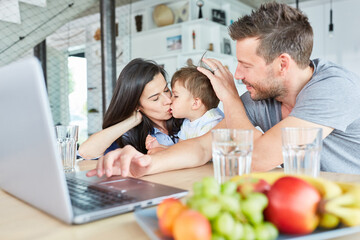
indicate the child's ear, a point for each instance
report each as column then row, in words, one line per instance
column 196, row 104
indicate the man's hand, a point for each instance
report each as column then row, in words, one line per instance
column 221, row 79
column 125, row 161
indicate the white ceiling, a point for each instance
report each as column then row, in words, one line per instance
column 257, row 3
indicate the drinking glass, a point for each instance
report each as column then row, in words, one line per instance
column 66, row 138
column 301, row 148
column 231, row 152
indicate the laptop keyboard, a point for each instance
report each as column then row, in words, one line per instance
column 90, row 197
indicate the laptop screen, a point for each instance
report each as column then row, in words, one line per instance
column 30, row 166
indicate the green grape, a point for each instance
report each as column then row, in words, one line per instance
column 252, row 211
column 237, row 232
column 216, row 236
column 273, row 231
column 255, row 218
column 198, row 189
column 210, row 187
column 261, row 232
column 260, row 199
column 253, row 207
column 196, row 202
column 249, row 233
column 229, row 203
column 237, row 196
column 240, row 217
column 210, row 209
column 224, row 224
column 228, row 188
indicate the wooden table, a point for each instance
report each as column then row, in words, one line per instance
column 18, row 220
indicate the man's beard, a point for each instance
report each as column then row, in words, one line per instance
column 273, row 88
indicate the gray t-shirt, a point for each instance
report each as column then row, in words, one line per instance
column 331, row 98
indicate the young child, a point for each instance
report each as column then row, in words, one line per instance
column 194, row 100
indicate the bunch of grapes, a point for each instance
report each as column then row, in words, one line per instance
column 232, row 215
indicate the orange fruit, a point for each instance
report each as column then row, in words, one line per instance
column 191, row 225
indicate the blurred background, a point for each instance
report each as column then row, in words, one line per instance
column 66, row 37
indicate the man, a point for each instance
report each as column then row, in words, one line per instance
column 285, row 89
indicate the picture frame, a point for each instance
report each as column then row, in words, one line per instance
column 173, row 43
column 218, row 16
column 227, row 46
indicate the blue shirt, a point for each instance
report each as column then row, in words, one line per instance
column 161, row 137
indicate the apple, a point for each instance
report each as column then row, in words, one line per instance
column 167, row 211
column 249, row 184
column 166, row 203
column 191, row 224
column 292, row 206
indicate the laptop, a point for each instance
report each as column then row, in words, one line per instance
column 30, row 165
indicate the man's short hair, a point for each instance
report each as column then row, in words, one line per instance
column 280, row 29
column 197, row 84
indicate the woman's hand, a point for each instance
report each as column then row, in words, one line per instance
column 97, row 143
column 125, row 161
column 137, row 116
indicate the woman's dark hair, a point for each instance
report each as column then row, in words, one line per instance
column 129, row 87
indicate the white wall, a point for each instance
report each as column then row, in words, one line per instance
column 344, row 47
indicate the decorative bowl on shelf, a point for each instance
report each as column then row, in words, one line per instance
column 163, row 15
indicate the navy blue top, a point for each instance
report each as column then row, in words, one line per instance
column 161, row 137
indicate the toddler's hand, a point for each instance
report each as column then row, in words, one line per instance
column 155, row 150
column 151, row 142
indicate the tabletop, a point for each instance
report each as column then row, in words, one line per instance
column 19, row 220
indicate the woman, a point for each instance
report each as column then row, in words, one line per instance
column 140, row 106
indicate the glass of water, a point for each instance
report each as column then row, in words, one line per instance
column 231, row 152
column 301, row 148
column 66, row 138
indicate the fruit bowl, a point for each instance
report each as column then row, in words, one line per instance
column 147, row 220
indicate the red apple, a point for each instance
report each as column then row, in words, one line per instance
column 292, row 206
column 193, row 225
column 250, row 184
